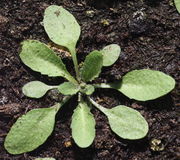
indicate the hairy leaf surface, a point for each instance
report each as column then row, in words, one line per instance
column 145, row 84
column 88, row 90
column 110, row 54
column 68, row 88
column 40, row 58
column 36, row 89
column 83, row 126
column 127, row 122
column 31, row 130
column 92, row 66
column 61, row 26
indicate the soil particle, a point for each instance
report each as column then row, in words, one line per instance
column 10, row 109
column 139, row 24
column 3, row 23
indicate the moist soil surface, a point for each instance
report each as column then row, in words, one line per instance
column 148, row 32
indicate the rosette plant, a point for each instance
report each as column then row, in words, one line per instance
column 32, row 129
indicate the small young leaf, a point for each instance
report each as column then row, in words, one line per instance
column 68, row 88
column 83, row 126
column 61, row 27
column 127, row 122
column 110, row 54
column 145, row 84
column 40, row 58
column 31, row 130
column 36, row 89
column 177, row 4
column 88, row 90
column 92, row 66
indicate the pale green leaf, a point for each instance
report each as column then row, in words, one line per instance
column 145, row 84
column 83, row 126
column 36, row 89
column 40, row 58
column 127, row 122
column 92, row 66
column 31, row 130
column 68, row 88
column 110, row 54
column 177, row 4
column 88, row 89
column 124, row 121
column 45, row 159
column 61, row 26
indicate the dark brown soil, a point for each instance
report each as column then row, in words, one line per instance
column 149, row 34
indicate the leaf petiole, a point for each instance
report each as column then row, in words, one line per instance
column 102, row 85
column 75, row 62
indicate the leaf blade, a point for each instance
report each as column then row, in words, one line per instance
column 145, row 84
column 88, row 90
column 92, row 66
column 127, row 122
column 110, row 54
column 36, row 89
column 61, row 26
column 31, row 130
column 83, row 126
column 68, row 88
column 40, row 58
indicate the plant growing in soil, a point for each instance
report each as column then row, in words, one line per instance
column 32, row 129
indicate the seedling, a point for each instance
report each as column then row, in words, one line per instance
column 32, row 129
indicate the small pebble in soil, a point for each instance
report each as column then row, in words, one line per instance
column 114, row 10
column 90, row 13
column 68, row 144
column 105, row 22
column 156, row 145
column 3, row 100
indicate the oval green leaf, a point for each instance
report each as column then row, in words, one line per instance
column 68, row 88
column 127, row 122
column 40, row 58
column 36, row 89
column 110, row 54
column 177, row 4
column 31, row 130
column 83, row 126
column 88, row 90
column 61, row 26
column 145, row 84
column 92, row 66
